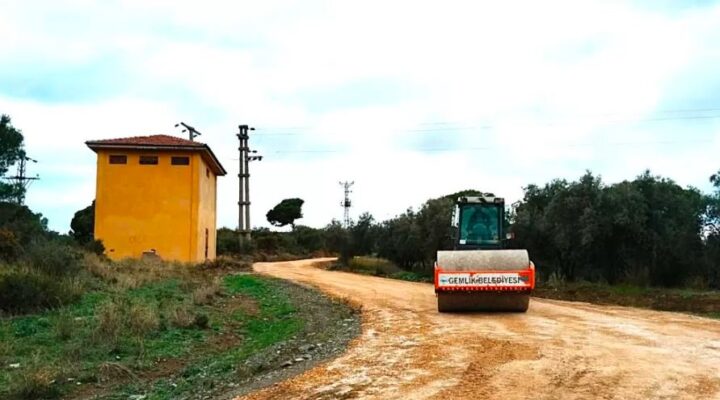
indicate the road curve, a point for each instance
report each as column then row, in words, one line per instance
column 557, row 350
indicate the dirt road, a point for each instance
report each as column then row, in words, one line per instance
column 558, row 350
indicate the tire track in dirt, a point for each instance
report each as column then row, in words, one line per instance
column 557, row 350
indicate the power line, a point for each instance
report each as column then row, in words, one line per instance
column 532, row 145
column 656, row 116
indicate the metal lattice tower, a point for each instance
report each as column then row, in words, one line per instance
column 346, row 203
column 21, row 181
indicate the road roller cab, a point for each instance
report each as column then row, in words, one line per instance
column 480, row 275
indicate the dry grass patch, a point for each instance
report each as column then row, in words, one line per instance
column 142, row 319
column 206, row 292
column 64, row 326
column 37, row 382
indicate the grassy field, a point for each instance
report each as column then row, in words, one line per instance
column 700, row 302
column 160, row 331
column 378, row 267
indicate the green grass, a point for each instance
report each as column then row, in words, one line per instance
column 375, row 266
column 62, row 347
column 275, row 322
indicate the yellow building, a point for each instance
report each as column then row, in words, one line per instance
column 156, row 194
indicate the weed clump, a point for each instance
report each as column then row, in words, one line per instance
column 119, row 317
column 206, row 292
column 36, row 383
column 64, row 326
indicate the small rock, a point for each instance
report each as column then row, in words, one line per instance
column 299, row 359
column 307, row 347
column 286, row 364
column 137, row 397
column 307, row 356
column 16, row 365
column 71, row 379
column 118, row 358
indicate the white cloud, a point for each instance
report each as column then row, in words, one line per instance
column 526, row 91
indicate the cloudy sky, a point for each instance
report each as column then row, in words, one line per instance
column 409, row 99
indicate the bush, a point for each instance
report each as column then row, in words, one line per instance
column 22, row 222
column 24, row 290
column 202, row 321
column 10, row 248
column 95, row 246
column 54, row 258
column 120, row 317
column 38, row 383
column 142, row 320
column 206, row 292
column 227, row 242
column 110, row 321
column 181, row 317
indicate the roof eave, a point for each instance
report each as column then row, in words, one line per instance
column 205, row 149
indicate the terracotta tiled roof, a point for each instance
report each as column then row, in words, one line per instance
column 160, row 142
column 153, row 140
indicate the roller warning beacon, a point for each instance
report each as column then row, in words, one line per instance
column 479, row 274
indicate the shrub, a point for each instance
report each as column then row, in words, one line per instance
column 10, row 248
column 142, row 320
column 37, row 383
column 202, row 321
column 110, row 321
column 54, row 258
column 22, row 222
column 95, row 247
column 206, row 292
column 25, row 290
column 181, row 317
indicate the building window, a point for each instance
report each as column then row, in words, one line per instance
column 148, row 160
column 180, row 161
column 118, row 159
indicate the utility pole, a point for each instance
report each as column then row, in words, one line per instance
column 346, row 203
column 20, row 181
column 244, row 227
column 192, row 132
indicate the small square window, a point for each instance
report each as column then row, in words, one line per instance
column 180, row 160
column 118, row 159
column 148, row 160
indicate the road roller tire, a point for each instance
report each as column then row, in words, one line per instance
column 483, row 301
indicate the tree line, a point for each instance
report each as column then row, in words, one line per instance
column 645, row 231
column 648, row 230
